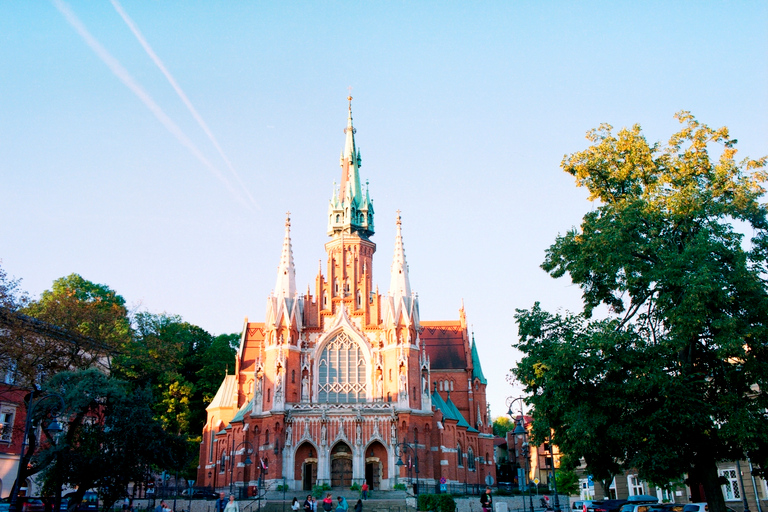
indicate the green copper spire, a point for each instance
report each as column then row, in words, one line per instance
column 477, row 370
column 350, row 209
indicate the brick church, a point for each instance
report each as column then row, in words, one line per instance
column 339, row 386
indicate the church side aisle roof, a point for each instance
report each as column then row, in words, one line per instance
column 226, row 395
column 459, row 417
column 438, row 402
column 240, row 416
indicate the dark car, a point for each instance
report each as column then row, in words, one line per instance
column 90, row 502
column 200, row 493
column 668, row 507
column 606, row 506
column 29, row 504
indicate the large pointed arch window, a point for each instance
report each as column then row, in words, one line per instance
column 341, row 372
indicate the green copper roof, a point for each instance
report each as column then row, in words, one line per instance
column 438, row 402
column 459, row 417
column 240, row 416
column 477, row 370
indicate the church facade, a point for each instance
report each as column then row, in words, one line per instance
column 345, row 384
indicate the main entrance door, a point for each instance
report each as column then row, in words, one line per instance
column 341, row 472
column 341, row 466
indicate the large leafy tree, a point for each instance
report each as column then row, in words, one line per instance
column 94, row 311
column 181, row 363
column 111, row 436
column 671, row 378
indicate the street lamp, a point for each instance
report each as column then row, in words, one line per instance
column 246, row 462
column 405, row 447
column 54, row 427
column 521, row 435
column 554, row 474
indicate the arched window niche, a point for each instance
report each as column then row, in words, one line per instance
column 342, row 370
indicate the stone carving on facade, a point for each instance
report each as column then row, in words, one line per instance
column 288, row 435
column 305, row 388
column 358, row 434
column 324, row 434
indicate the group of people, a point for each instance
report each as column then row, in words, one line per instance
column 223, row 505
column 327, row 505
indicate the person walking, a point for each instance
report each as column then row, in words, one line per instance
column 295, row 505
column 221, row 503
column 486, row 500
column 232, row 505
column 365, row 490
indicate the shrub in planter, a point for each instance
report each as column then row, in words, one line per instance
column 354, row 487
column 436, row 503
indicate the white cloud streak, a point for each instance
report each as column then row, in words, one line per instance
column 180, row 92
column 122, row 74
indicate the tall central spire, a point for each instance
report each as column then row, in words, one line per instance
column 351, row 209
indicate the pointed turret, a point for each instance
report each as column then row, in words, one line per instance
column 400, row 284
column 286, row 273
column 350, row 210
column 477, row 370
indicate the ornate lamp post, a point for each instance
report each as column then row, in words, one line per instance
column 246, row 462
column 54, row 427
column 521, row 435
column 404, row 447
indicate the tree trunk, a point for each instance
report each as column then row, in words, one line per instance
column 707, row 473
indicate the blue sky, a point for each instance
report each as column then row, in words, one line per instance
column 463, row 113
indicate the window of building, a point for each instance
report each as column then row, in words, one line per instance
column 223, row 462
column 635, row 485
column 470, row 459
column 269, row 395
column 293, row 376
column 342, row 372
column 460, row 455
column 6, row 424
column 211, row 433
column 451, row 385
column 731, row 491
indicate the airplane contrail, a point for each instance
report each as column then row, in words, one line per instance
column 180, row 92
column 122, row 74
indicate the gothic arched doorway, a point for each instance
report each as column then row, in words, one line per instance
column 375, row 459
column 341, row 465
column 306, row 466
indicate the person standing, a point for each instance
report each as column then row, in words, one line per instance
column 295, row 505
column 308, row 503
column 232, row 505
column 221, row 503
column 328, row 503
column 486, row 500
column 359, row 506
column 365, row 490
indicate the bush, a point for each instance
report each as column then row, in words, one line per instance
column 400, row 487
column 282, row 487
column 436, row 503
column 354, row 487
column 319, row 490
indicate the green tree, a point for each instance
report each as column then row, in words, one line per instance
column 92, row 310
column 110, row 439
column 567, row 482
column 672, row 378
column 502, row 425
column 181, row 363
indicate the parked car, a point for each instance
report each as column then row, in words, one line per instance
column 578, row 506
column 700, row 507
column 201, row 493
column 30, row 504
column 639, row 503
column 606, row 506
column 89, row 503
column 668, row 507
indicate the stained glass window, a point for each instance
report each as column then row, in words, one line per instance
column 342, row 372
